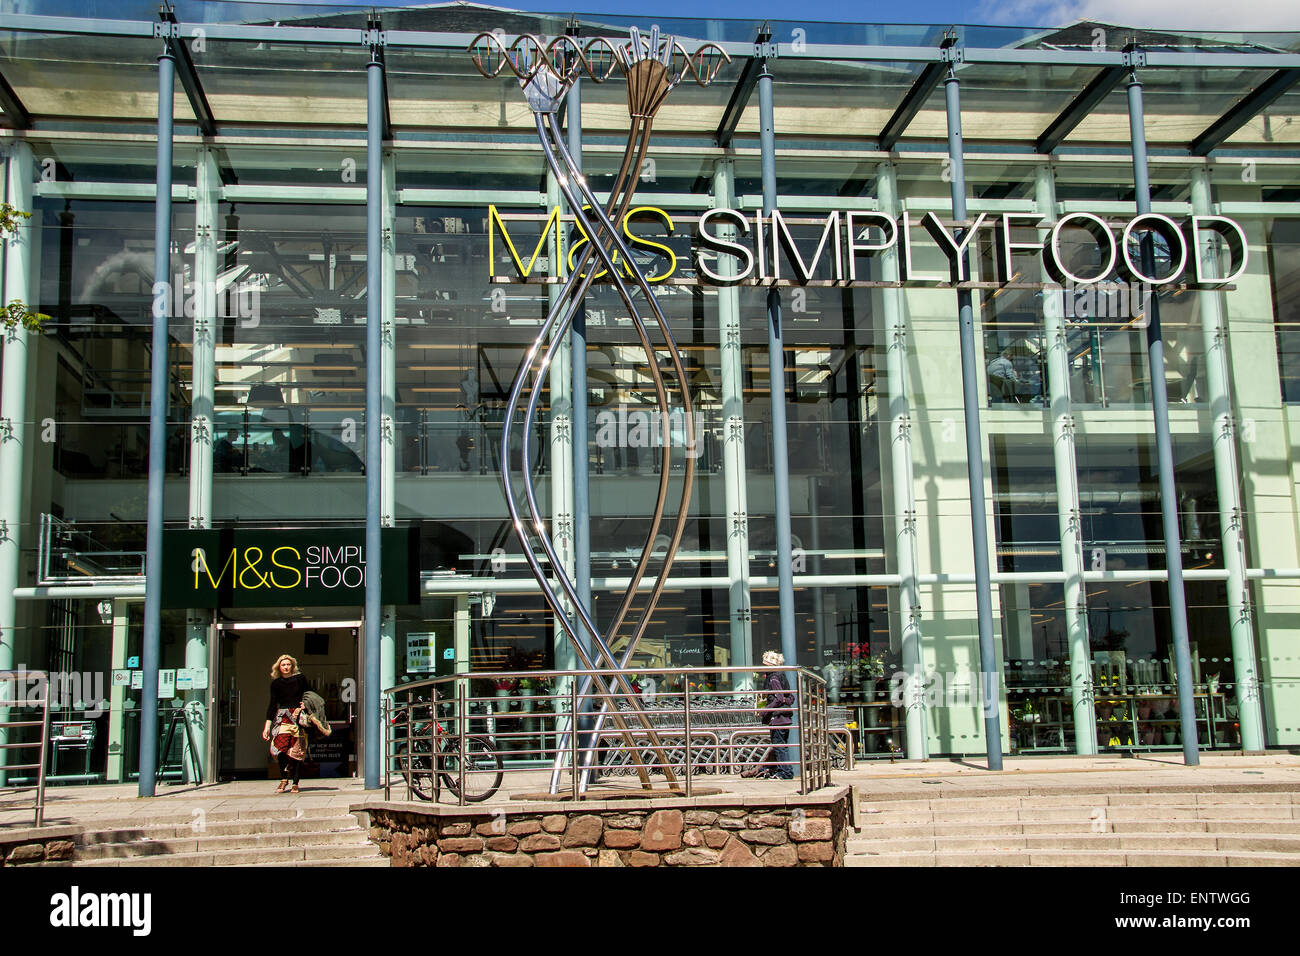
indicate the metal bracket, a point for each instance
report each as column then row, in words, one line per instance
column 909, row 520
column 744, row 615
column 1134, row 56
column 766, row 49
column 199, row 429
column 4, row 530
column 197, row 523
column 735, row 428
column 373, row 39
column 952, row 54
column 166, row 30
column 386, row 428
column 562, row 426
column 738, row 519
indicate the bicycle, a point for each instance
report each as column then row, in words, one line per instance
column 483, row 767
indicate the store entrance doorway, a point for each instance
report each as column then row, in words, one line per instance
column 326, row 648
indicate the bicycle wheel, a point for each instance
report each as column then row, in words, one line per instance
column 419, row 771
column 483, row 768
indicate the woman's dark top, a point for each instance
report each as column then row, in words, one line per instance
column 286, row 694
column 781, row 698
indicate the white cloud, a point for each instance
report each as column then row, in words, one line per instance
column 1173, row 15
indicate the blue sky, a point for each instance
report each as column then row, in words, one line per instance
column 1209, row 15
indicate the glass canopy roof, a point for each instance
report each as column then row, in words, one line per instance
column 1015, row 81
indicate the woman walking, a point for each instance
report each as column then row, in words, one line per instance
column 776, row 714
column 288, row 739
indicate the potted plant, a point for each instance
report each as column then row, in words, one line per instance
column 527, row 689
column 505, row 687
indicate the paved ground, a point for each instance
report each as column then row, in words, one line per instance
column 88, row 805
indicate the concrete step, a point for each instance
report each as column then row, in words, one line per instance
column 344, row 834
column 1028, row 857
column 378, row 860
column 1200, row 843
column 279, row 856
column 1005, row 800
column 884, row 830
column 185, row 818
column 995, row 814
column 208, row 828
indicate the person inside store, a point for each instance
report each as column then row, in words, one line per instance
column 283, row 713
column 776, row 714
column 1003, row 378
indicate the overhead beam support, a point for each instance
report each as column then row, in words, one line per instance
column 1246, row 109
column 169, row 30
column 740, row 95
column 925, row 84
column 17, row 115
column 1098, row 88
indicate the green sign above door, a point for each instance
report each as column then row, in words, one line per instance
column 265, row 567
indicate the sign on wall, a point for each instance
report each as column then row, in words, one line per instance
column 265, row 567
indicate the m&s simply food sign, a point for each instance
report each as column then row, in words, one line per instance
column 285, row 568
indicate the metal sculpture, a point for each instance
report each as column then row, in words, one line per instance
column 546, row 73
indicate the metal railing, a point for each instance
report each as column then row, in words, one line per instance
column 466, row 733
column 24, row 690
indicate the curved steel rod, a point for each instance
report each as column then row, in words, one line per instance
column 538, row 529
column 688, row 477
column 535, row 394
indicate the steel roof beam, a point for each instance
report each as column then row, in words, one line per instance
column 189, row 77
column 1098, row 88
column 915, row 97
column 1246, row 109
column 17, row 115
column 740, row 96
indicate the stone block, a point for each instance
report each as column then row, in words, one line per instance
column 736, row 853
column 523, row 828
column 491, row 828
column 512, row 859
column 768, row 836
column 539, row 842
column 58, row 850
column 449, row 859
column 663, row 830
column 503, row 844
column 691, row 857
column 699, row 817
column 716, row 839
column 554, row 822
column 461, row 845
column 622, row 839
column 583, row 831
column 822, row 851
column 625, row 821
column 562, row 858
column 609, row 858
column 640, row 858
column 456, row 830
column 809, row 830
column 692, row 838
column 784, row 855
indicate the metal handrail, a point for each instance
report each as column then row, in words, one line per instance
column 10, row 679
column 684, row 719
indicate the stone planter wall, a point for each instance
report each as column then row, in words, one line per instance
column 806, row 831
column 37, row 845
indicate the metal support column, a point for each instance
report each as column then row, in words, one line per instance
column 372, row 743
column 1067, row 491
column 563, row 451
column 13, row 406
column 578, row 361
column 900, row 460
column 1232, row 520
column 388, row 405
column 207, row 200
column 160, row 368
column 732, row 372
column 776, row 381
column 970, row 376
column 1164, row 445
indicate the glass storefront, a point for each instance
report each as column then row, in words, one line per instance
column 871, row 378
